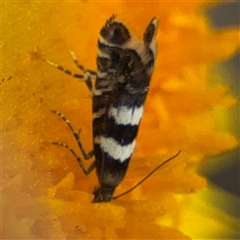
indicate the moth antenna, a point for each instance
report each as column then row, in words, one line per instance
column 145, row 178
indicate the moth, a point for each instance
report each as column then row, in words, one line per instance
column 124, row 69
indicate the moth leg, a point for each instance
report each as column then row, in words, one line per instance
column 86, row 76
column 65, row 70
column 91, row 73
column 76, row 136
column 86, row 171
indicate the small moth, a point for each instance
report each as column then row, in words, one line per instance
column 124, row 70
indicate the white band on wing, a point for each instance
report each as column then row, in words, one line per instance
column 126, row 116
column 115, row 149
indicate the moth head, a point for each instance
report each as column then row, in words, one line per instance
column 114, row 32
column 103, row 194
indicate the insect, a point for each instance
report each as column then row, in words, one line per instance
column 124, row 70
column 6, row 79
